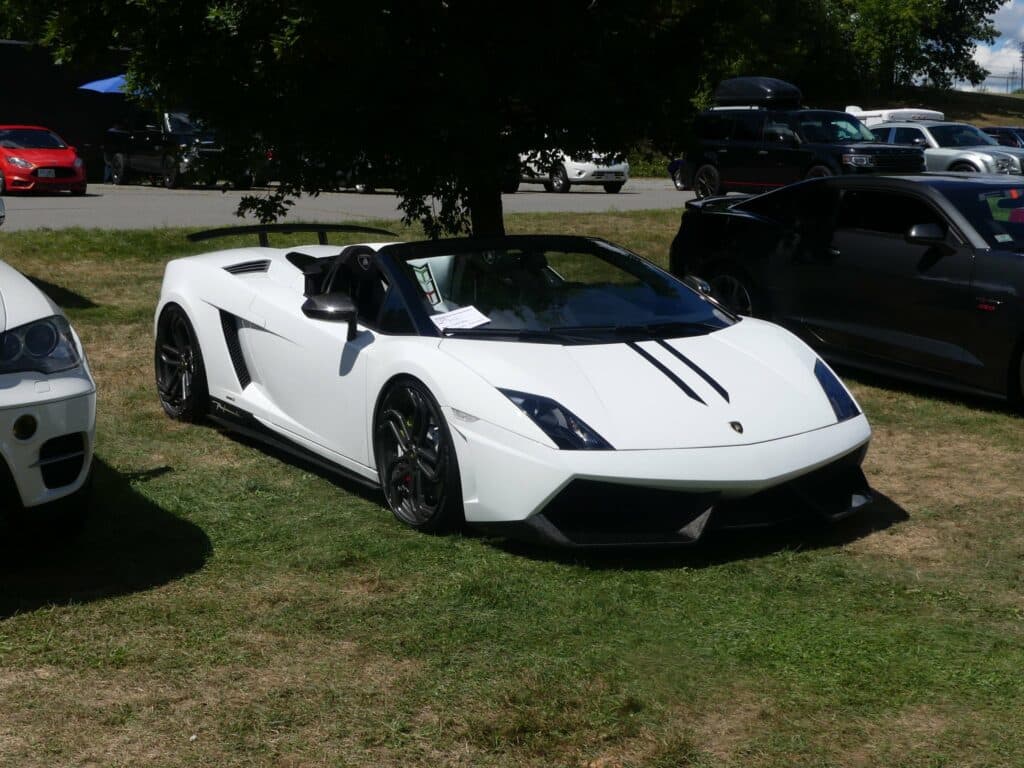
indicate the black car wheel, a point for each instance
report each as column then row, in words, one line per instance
column 819, row 172
column 559, row 180
column 614, row 188
column 180, row 373
column 172, row 178
column 118, row 169
column 963, row 168
column 3, row 185
column 677, row 179
column 706, row 182
column 419, row 472
column 736, row 291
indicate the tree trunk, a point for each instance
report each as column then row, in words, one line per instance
column 487, row 218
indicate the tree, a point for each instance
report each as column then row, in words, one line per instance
column 444, row 93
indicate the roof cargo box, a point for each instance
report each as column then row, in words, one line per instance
column 757, row 91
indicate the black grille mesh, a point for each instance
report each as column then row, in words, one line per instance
column 230, row 325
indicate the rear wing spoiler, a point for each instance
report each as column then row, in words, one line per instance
column 262, row 231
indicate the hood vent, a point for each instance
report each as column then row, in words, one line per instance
column 247, row 267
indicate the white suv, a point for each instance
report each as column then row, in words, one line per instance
column 568, row 171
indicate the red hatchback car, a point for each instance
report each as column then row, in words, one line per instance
column 35, row 159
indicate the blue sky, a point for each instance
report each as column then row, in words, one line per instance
column 1003, row 56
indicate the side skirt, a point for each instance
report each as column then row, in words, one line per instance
column 244, row 423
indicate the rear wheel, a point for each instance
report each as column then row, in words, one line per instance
column 678, row 180
column 180, row 372
column 416, row 461
column 558, row 180
column 613, row 188
column 119, row 169
column 706, row 182
column 819, row 172
column 733, row 287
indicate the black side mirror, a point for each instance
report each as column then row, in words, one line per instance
column 332, row 308
column 926, row 234
column 698, row 284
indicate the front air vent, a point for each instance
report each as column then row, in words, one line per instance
column 230, row 325
column 248, row 267
column 61, row 460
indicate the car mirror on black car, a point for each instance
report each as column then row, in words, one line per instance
column 926, row 234
column 332, row 307
column 698, row 284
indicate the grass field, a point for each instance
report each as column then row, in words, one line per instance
column 224, row 607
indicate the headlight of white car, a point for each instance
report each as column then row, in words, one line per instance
column 566, row 430
column 842, row 404
column 46, row 346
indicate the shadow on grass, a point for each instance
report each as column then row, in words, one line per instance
column 62, row 297
column 724, row 546
column 126, row 544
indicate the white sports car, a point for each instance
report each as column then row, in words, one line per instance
column 47, row 403
column 553, row 387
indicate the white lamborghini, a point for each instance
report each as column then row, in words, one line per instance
column 553, row 387
column 47, row 404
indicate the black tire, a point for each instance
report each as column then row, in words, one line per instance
column 963, row 168
column 707, row 182
column 614, row 188
column 558, row 180
column 510, row 187
column 416, row 461
column 737, row 291
column 178, row 365
column 678, row 180
column 818, row 172
column 172, row 177
column 118, row 169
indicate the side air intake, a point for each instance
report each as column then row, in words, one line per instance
column 230, row 325
column 247, row 267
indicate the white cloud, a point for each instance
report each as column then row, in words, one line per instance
column 1003, row 56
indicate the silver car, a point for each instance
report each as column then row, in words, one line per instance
column 952, row 146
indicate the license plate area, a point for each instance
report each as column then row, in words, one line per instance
column 47, row 173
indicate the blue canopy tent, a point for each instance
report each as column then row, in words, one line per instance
column 109, row 85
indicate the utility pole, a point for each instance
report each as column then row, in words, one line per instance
column 1021, row 46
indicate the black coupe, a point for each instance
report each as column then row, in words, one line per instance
column 920, row 277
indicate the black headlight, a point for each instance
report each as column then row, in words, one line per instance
column 566, row 429
column 842, row 404
column 46, row 346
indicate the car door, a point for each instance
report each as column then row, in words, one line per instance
column 311, row 379
column 872, row 294
column 785, row 161
column 935, row 158
column 145, row 143
column 748, row 159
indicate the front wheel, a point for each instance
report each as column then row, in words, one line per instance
column 963, row 168
column 613, row 188
column 118, row 170
column 706, row 182
column 416, row 461
column 180, row 372
column 678, row 180
column 558, row 180
column 819, row 172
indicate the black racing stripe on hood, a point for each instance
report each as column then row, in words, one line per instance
column 675, row 379
column 695, row 368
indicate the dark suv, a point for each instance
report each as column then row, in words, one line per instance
column 759, row 138
column 165, row 146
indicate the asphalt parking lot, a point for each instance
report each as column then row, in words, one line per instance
column 143, row 207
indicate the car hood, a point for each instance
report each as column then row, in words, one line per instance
column 44, row 156
column 20, row 301
column 871, row 148
column 758, row 376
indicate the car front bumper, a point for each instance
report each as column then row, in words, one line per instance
column 55, row 460
column 67, row 179
column 591, row 173
column 517, row 487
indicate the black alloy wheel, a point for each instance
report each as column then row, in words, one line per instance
column 559, row 179
column 419, row 472
column 735, row 291
column 677, row 179
column 180, row 373
column 706, row 182
column 819, row 172
column 118, row 170
column 613, row 188
column 172, row 176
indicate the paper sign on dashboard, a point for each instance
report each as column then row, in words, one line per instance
column 464, row 317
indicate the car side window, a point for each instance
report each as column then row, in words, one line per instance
column 714, row 126
column 909, row 136
column 888, row 213
column 748, row 126
column 882, row 134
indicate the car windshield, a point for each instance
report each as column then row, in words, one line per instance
column 181, row 123
column 960, row 136
column 831, row 128
column 30, row 138
column 997, row 213
column 537, row 288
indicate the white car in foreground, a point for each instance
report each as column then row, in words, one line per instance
column 47, row 403
column 592, row 169
column 553, row 387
